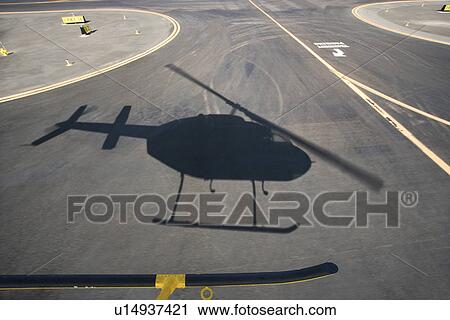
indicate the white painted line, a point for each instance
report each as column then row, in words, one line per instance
column 348, row 81
column 330, row 45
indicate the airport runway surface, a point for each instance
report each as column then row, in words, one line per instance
column 238, row 48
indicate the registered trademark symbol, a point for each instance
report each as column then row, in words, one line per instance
column 409, row 198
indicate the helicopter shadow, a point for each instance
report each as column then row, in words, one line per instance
column 209, row 147
column 226, row 147
column 220, row 147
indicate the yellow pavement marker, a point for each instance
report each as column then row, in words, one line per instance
column 73, row 19
column 85, row 30
column 3, row 50
column 445, row 8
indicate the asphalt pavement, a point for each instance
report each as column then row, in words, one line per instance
column 233, row 48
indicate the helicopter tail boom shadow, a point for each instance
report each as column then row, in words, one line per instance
column 61, row 127
column 113, row 130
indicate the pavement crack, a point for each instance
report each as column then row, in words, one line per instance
column 410, row 265
column 45, row 264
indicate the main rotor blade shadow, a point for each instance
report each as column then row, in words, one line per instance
column 369, row 179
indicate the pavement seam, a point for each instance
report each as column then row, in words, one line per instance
column 410, row 265
column 45, row 264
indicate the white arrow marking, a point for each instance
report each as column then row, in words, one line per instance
column 338, row 53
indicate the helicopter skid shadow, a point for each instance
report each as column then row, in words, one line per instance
column 185, row 224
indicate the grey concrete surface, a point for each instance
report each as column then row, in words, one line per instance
column 411, row 18
column 41, row 43
column 239, row 52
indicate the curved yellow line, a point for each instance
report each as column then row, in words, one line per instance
column 357, row 15
column 175, row 32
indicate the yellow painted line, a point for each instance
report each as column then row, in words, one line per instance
column 175, row 32
column 402, row 129
column 159, row 287
column 357, row 15
column 265, row 284
column 349, row 82
column 399, row 103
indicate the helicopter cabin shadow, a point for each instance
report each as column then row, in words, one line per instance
column 226, row 147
